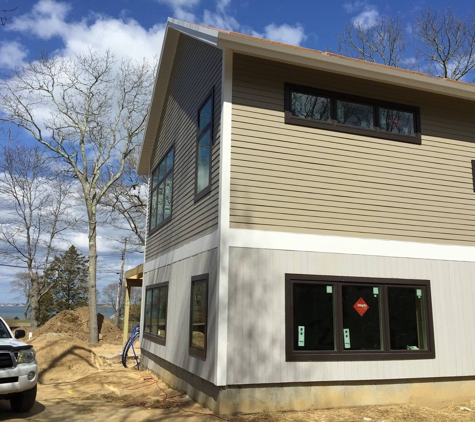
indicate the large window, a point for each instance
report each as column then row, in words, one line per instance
column 156, row 304
column 345, row 113
column 199, row 315
column 203, row 148
column 161, row 192
column 348, row 318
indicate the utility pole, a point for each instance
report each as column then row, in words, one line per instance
column 121, row 283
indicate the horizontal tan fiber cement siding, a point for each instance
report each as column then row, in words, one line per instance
column 256, row 319
column 298, row 179
column 196, row 69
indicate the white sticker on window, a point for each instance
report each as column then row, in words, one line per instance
column 376, row 291
column 346, row 337
column 419, row 293
column 301, row 335
column 329, row 289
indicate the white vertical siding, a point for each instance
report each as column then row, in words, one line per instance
column 179, row 277
column 256, row 352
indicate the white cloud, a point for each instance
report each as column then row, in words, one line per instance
column 367, row 18
column 12, row 54
column 181, row 8
column 46, row 19
column 285, row 33
column 122, row 37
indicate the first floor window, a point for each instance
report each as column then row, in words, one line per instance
column 156, row 304
column 199, row 315
column 348, row 318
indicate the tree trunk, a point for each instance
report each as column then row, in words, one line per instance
column 25, row 312
column 34, row 300
column 121, row 283
column 92, row 292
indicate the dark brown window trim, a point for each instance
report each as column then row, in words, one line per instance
column 340, row 355
column 335, row 126
column 199, row 134
column 155, row 337
column 168, row 219
column 195, row 351
column 473, row 174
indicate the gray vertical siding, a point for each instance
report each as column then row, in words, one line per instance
column 256, row 327
column 196, row 70
column 179, row 277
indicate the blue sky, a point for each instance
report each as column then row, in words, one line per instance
column 136, row 28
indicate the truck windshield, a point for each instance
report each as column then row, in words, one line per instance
column 4, row 332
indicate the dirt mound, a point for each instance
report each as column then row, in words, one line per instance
column 76, row 324
column 64, row 357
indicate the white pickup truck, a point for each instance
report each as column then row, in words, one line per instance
column 18, row 369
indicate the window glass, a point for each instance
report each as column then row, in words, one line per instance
column 205, row 115
column 354, row 114
column 396, row 121
column 154, row 321
column 314, row 317
column 198, row 314
column 162, row 311
column 168, row 197
column 361, row 318
column 148, row 310
column 311, row 107
column 204, row 162
column 407, row 324
column 161, row 194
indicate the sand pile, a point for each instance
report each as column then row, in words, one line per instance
column 63, row 357
column 76, row 323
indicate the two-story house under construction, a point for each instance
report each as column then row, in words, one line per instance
column 311, row 227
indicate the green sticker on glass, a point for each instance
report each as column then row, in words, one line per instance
column 329, row 289
column 419, row 293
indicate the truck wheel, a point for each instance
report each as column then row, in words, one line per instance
column 24, row 401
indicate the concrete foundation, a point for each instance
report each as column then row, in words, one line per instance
column 304, row 396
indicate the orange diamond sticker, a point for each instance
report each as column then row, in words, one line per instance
column 361, row 306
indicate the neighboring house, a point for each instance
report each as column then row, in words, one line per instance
column 311, row 227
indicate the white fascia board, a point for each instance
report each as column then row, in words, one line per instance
column 199, row 32
column 261, row 239
column 195, row 247
column 348, row 67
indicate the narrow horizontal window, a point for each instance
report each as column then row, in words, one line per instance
column 348, row 318
column 345, row 113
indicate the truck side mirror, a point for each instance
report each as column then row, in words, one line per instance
column 20, row 334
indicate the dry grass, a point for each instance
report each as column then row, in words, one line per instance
column 452, row 413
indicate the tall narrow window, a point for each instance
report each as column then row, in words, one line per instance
column 156, row 305
column 203, row 148
column 161, row 192
column 199, row 315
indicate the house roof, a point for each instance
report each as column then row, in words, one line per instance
column 272, row 50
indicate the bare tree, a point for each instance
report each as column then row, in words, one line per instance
column 89, row 111
column 446, row 42
column 6, row 12
column 21, row 285
column 35, row 213
column 108, row 295
column 383, row 42
column 126, row 202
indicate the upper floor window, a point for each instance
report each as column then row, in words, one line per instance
column 161, row 191
column 335, row 111
column 203, row 148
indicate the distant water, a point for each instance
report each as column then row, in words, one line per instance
column 17, row 311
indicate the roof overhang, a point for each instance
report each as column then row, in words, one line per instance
column 299, row 56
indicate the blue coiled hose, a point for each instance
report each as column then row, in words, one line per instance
column 129, row 344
